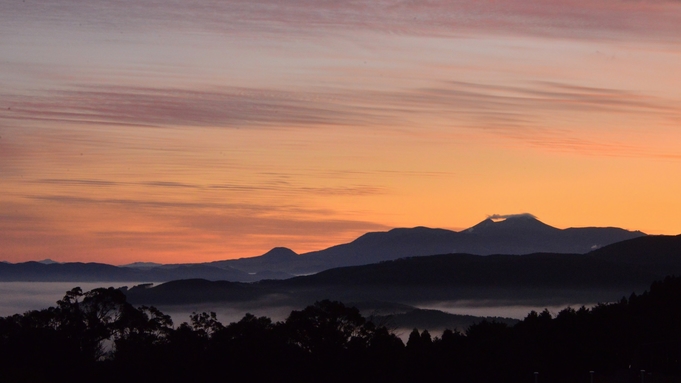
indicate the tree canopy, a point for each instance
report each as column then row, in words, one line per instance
column 98, row 336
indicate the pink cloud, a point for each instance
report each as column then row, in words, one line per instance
column 525, row 112
column 559, row 18
column 229, row 107
column 237, row 107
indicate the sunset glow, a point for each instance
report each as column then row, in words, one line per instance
column 196, row 131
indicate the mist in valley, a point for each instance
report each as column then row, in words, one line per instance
column 19, row 297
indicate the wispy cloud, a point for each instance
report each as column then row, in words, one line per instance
column 526, row 112
column 154, row 107
column 76, row 182
column 149, row 203
column 233, row 108
column 563, row 18
column 280, row 189
column 505, row 216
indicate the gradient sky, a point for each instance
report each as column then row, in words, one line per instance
column 190, row 131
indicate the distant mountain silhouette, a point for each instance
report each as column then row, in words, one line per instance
column 63, row 272
column 517, row 234
column 278, row 259
column 143, row 265
column 99, row 272
column 603, row 274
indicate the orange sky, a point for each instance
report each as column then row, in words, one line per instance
column 133, row 131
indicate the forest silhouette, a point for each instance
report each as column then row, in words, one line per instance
column 97, row 336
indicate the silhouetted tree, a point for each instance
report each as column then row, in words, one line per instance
column 333, row 336
column 98, row 336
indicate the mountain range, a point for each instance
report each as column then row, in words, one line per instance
column 601, row 275
column 513, row 235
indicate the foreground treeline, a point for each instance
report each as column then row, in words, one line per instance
column 97, row 336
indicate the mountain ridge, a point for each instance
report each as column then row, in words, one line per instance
column 514, row 234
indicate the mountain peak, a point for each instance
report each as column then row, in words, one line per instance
column 508, row 222
column 47, row 261
column 280, row 252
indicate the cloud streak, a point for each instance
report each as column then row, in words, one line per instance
column 283, row 189
column 506, row 216
column 605, row 19
column 157, row 107
column 523, row 112
column 232, row 108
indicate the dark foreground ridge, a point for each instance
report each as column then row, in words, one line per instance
column 98, row 336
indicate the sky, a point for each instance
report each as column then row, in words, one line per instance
column 191, row 131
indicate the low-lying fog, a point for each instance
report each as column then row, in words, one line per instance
column 19, row 297
column 499, row 308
